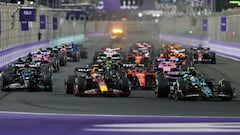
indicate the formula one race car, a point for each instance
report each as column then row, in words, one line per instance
column 163, row 65
column 189, row 85
column 140, row 77
column 60, row 54
column 95, row 82
column 109, row 53
column 138, row 58
column 82, row 50
column 44, row 57
column 203, row 55
column 73, row 53
column 144, row 48
column 195, row 86
column 27, row 76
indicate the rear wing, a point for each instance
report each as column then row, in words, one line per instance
column 83, row 70
column 87, row 70
column 132, row 65
column 116, row 57
column 177, row 73
column 165, row 59
column 112, row 49
column 26, row 65
column 200, row 48
column 102, row 56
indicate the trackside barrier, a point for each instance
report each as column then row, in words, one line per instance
column 231, row 50
column 10, row 55
column 66, row 40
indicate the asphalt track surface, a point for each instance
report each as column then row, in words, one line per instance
column 141, row 102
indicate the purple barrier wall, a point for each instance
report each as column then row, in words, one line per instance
column 10, row 55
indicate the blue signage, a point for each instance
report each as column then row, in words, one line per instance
column 27, row 14
column 55, row 23
column 42, row 22
column 24, row 25
column 205, row 24
column 224, row 23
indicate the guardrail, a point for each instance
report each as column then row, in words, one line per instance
column 231, row 50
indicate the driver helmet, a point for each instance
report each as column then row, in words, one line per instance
column 192, row 70
column 109, row 58
column 193, row 80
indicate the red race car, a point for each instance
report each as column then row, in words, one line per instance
column 138, row 58
column 140, row 77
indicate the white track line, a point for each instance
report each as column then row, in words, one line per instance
column 103, row 115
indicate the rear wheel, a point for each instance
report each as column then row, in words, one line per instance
column 213, row 57
column 57, row 66
column 79, row 87
column 162, row 89
column 48, row 82
column 68, row 84
column 76, row 56
column 62, row 60
column 5, row 80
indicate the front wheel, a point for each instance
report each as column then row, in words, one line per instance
column 227, row 90
column 125, row 87
column 69, row 84
column 162, row 89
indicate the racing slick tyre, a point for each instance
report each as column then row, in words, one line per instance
column 47, row 68
column 125, row 87
column 5, row 80
column 213, row 57
column 63, row 60
column 9, row 69
column 162, row 89
column 227, row 90
column 55, row 64
column 48, row 82
column 69, row 83
column 79, row 87
column 76, row 56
